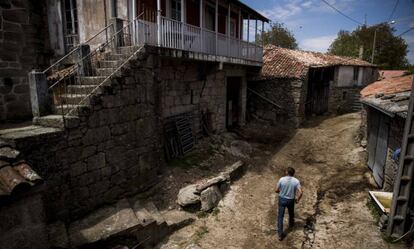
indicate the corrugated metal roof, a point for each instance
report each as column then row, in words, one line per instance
column 287, row 63
column 15, row 174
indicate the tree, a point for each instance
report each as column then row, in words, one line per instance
column 280, row 36
column 390, row 50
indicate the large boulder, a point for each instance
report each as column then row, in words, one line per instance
column 210, row 197
column 188, row 195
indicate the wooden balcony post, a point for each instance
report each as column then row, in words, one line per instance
column 255, row 40
column 240, row 52
column 182, row 23
column 201, row 25
column 248, row 35
column 228, row 28
column 216, row 25
column 262, row 33
column 159, row 31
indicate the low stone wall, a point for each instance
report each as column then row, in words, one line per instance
column 23, row 46
column 290, row 94
column 113, row 150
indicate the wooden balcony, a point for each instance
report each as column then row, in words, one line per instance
column 200, row 43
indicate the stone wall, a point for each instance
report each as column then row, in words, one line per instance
column 113, row 150
column 194, row 87
column 290, row 94
column 342, row 99
column 23, row 223
column 23, row 46
column 395, row 137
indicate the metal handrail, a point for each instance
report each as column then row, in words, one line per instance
column 61, row 59
column 75, row 49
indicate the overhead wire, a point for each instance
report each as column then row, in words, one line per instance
column 340, row 12
column 405, row 32
column 393, row 10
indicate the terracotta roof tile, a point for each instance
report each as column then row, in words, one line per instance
column 286, row 63
column 389, row 86
column 15, row 174
column 386, row 74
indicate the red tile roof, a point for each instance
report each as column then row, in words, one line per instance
column 15, row 174
column 388, row 86
column 286, row 63
column 386, row 74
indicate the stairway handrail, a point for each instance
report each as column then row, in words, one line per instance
column 75, row 49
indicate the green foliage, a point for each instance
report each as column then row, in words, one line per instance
column 280, row 36
column 390, row 50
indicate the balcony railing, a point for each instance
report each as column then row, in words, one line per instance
column 182, row 36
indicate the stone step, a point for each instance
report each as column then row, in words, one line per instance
column 57, row 121
column 109, row 63
column 128, row 50
column 91, row 80
column 154, row 212
column 102, row 224
column 80, row 89
column 177, row 219
column 115, row 57
column 143, row 215
column 76, row 110
column 73, row 99
column 105, row 71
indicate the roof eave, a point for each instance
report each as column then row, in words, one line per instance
column 255, row 14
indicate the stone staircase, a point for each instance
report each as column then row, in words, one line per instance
column 126, row 224
column 76, row 97
column 356, row 105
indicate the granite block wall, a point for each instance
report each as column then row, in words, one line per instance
column 23, row 46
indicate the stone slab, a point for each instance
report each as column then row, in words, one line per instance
column 103, row 223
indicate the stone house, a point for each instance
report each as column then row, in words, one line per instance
column 138, row 81
column 385, row 105
column 294, row 84
column 23, row 46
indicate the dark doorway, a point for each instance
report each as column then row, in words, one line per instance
column 318, row 90
column 378, row 126
column 233, row 103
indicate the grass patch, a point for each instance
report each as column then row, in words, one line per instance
column 373, row 210
column 215, row 211
column 199, row 234
column 202, row 214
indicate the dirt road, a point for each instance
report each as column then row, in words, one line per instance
column 332, row 213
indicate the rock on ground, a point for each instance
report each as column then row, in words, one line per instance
column 210, row 198
column 188, row 195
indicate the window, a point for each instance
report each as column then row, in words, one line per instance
column 114, row 7
column 176, row 10
column 356, row 73
column 210, row 18
column 70, row 15
column 233, row 27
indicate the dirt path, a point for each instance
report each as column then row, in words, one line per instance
column 332, row 213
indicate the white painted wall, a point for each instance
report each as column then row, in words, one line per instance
column 55, row 20
column 345, row 76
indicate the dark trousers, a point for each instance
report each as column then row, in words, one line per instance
column 290, row 205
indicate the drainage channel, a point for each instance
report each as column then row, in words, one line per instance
column 309, row 229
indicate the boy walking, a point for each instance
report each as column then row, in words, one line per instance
column 290, row 192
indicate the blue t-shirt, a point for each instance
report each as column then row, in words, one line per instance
column 288, row 186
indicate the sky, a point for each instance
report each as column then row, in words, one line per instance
column 315, row 25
